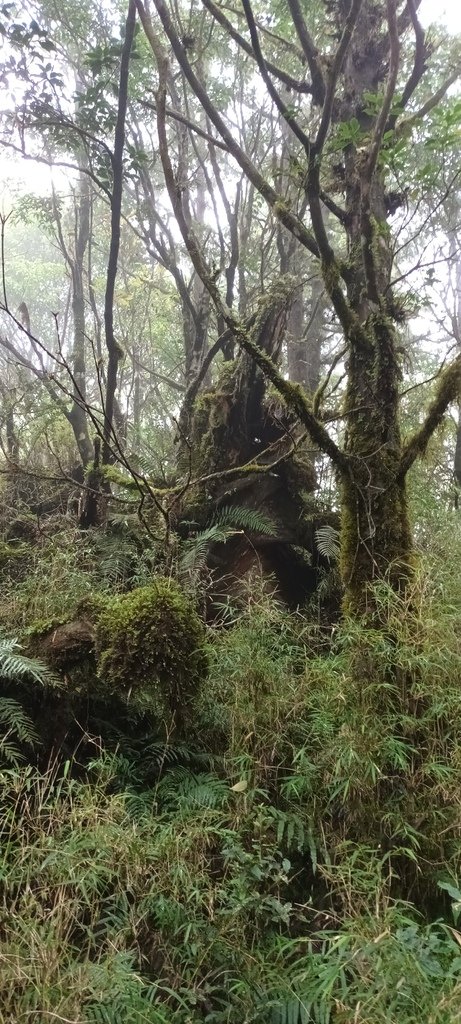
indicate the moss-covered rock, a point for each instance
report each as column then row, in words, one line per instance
column 152, row 642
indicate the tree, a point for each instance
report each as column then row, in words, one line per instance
column 368, row 100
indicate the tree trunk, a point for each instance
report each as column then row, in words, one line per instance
column 457, row 455
column 375, row 533
column 376, row 539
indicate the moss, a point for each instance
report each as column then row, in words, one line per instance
column 331, row 275
column 210, row 427
column 114, row 476
column 448, row 390
column 376, row 536
column 39, row 627
column 300, row 472
column 281, row 207
column 152, row 642
column 227, row 375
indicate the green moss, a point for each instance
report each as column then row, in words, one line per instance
column 40, row 626
column 448, row 390
column 281, row 207
column 114, row 476
column 227, row 375
column 210, row 426
column 376, row 539
column 152, row 642
column 331, row 275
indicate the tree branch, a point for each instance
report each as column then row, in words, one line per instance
column 335, row 71
column 276, row 202
column 383, row 115
column 189, row 124
column 283, row 76
column 421, row 55
column 448, row 390
column 310, row 51
column 286, row 113
column 429, row 105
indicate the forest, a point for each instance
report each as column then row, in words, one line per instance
column 230, row 512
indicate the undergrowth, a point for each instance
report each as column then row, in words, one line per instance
column 296, row 859
column 176, row 904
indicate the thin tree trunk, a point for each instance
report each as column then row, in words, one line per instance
column 114, row 350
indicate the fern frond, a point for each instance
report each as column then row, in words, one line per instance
column 227, row 522
column 115, row 567
column 195, row 550
column 9, row 752
column 15, row 665
column 18, row 728
column 187, row 790
column 327, row 540
column 245, row 518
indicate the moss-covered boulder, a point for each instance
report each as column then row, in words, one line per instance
column 151, row 642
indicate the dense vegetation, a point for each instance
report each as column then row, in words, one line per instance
column 230, row 534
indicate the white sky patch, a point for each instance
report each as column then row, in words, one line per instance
column 448, row 12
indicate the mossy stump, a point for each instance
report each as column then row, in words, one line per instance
column 150, row 644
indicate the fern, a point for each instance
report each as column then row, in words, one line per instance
column 195, row 550
column 17, row 727
column 227, row 522
column 327, row 540
column 14, row 665
column 187, row 791
column 245, row 518
column 293, row 834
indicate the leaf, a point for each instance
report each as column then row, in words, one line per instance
column 240, row 787
column 327, row 541
column 451, row 890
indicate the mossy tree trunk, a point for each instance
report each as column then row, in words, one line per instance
column 375, row 536
column 457, row 327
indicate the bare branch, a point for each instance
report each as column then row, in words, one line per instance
column 286, row 113
column 335, row 71
column 115, row 209
column 276, row 202
column 412, row 119
column 421, row 55
column 310, row 50
column 383, row 115
column 189, row 124
column 283, row 76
